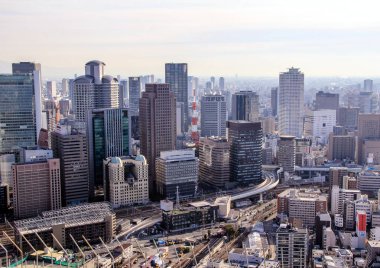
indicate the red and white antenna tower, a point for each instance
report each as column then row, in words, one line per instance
column 194, row 119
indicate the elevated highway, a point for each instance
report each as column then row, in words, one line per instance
column 269, row 183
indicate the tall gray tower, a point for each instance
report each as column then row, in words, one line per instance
column 93, row 90
column 176, row 77
column 291, row 100
column 213, row 115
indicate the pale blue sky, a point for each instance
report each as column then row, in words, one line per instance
column 248, row 37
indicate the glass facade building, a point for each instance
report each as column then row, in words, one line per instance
column 108, row 136
column 245, row 139
column 17, row 112
column 176, row 77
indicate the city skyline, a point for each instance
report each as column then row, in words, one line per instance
column 214, row 37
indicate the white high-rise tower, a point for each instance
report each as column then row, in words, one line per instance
column 291, row 100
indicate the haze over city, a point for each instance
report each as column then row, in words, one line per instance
column 189, row 134
column 248, row 38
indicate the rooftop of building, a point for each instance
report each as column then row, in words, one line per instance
column 307, row 194
column 374, row 243
column 216, row 139
column 119, row 160
column 371, row 170
column 95, row 62
column 70, row 216
column 287, row 228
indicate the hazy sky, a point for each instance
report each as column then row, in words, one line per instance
column 216, row 37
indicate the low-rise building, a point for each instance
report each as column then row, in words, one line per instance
column 254, row 251
column 369, row 180
column 193, row 216
column 92, row 221
column 373, row 250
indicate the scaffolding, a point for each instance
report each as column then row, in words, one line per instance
column 84, row 214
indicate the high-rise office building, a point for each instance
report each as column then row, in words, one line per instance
column 287, row 153
column 134, row 95
column 274, row 100
column 302, row 205
column 323, row 124
column 178, row 168
column 71, row 148
column 348, row 117
column 221, row 83
column 292, row 246
column 36, row 187
column 368, row 102
column 64, row 107
column 291, row 100
column 245, row 106
column 157, row 119
column 107, row 135
column 6, row 162
column 126, row 180
column 51, row 89
column 123, row 94
column 368, row 85
column 368, row 129
column 214, row 161
column 20, row 107
column 176, row 77
column 212, row 80
column 25, row 67
column 94, row 90
column 213, row 115
column 336, row 175
column 341, row 147
column 245, row 140
column 65, row 87
column 326, row 100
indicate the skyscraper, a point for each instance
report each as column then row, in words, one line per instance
column 245, row 106
column 134, row 95
column 65, row 87
column 368, row 85
column 25, row 67
column 157, row 118
column 245, row 139
column 348, row 117
column 214, row 161
column 36, row 187
column 341, row 147
column 213, row 115
column 107, row 135
column 291, row 100
column 51, row 89
column 326, row 100
column 94, row 90
column 274, row 100
column 368, row 128
column 20, row 107
column 71, row 148
column 176, row 77
column 221, row 83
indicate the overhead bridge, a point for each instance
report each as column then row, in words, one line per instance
column 269, row 183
